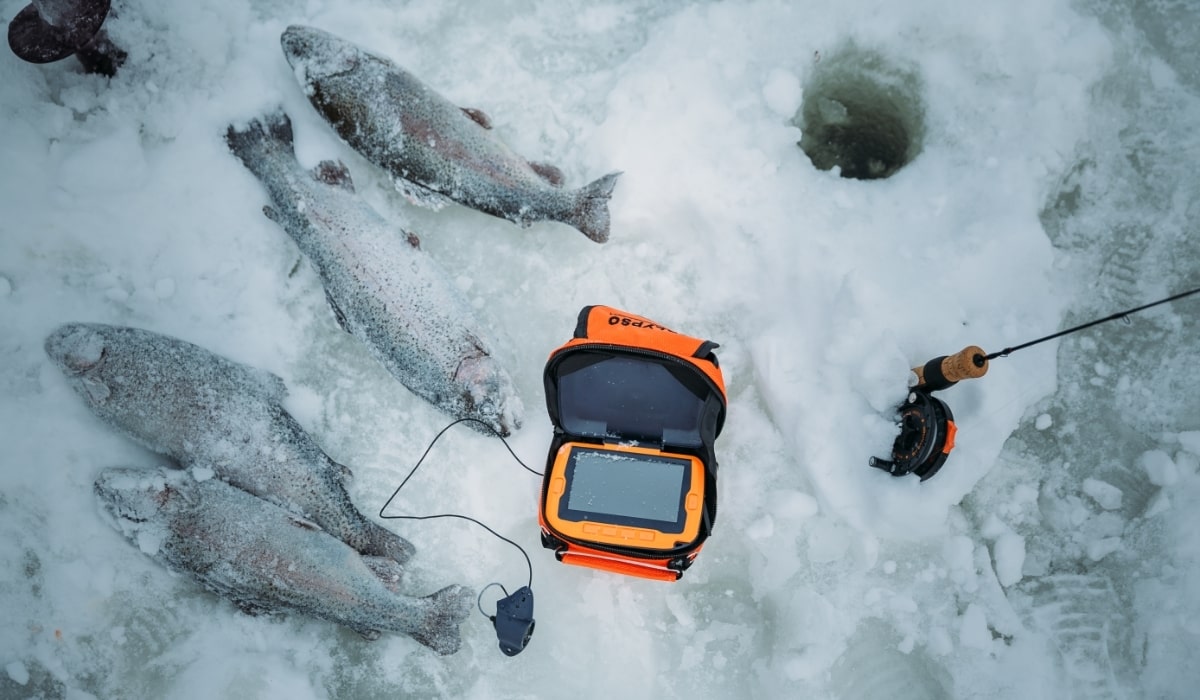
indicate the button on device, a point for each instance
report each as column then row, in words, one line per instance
column 693, row 501
column 557, row 485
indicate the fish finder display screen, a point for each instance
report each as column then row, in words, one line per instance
column 626, row 489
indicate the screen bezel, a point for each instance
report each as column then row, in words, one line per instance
column 626, row 531
column 673, row 527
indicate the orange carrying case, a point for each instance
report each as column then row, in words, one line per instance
column 630, row 484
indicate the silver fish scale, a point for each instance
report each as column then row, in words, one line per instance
column 428, row 144
column 206, row 411
column 386, row 292
column 266, row 560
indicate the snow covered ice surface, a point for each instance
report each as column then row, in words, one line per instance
column 1055, row 555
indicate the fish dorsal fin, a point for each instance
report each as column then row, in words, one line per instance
column 478, row 116
column 335, row 173
column 337, row 312
column 549, row 173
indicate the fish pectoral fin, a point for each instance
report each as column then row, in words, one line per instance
column 97, row 391
column 413, row 239
column 303, row 523
column 420, row 195
column 343, row 470
column 549, row 173
column 334, row 173
column 337, row 312
column 369, row 635
column 478, row 116
column 272, row 213
column 387, row 570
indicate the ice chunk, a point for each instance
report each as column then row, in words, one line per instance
column 1009, row 552
column 1098, row 549
column 1103, row 493
column 1043, row 421
column 973, row 630
column 1190, row 441
column 1159, row 467
column 17, row 672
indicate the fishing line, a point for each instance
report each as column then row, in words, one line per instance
column 412, row 471
column 1120, row 314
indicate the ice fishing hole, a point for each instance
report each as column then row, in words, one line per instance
column 862, row 113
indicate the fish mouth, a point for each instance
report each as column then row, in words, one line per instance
column 487, row 394
column 77, row 349
column 318, row 53
column 136, row 495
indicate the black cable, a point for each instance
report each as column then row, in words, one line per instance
column 479, row 598
column 1120, row 314
column 412, row 471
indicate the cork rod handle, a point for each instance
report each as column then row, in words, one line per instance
column 942, row 372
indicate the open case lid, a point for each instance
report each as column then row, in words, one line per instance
column 626, row 378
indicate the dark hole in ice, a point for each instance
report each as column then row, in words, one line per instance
column 862, row 113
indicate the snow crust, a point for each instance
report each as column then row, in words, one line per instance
column 1055, row 555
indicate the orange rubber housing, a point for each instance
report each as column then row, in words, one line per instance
column 601, row 409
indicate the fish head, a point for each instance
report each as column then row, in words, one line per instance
column 315, row 54
column 77, row 348
column 80, row 350
column 137, row 497
column 488, row 394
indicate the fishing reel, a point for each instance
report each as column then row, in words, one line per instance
column 926, row 437
column 927, row 428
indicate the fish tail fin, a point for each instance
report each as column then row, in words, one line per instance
column 591, row 208
column 385, row 543
column 444, row 611
column 260, row 137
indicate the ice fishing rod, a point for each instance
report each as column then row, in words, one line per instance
column 513, row 620
column 927, row 429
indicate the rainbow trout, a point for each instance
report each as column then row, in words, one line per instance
column 384, row 290
column 266, row 560
column 433, row 149
column 209, row 412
